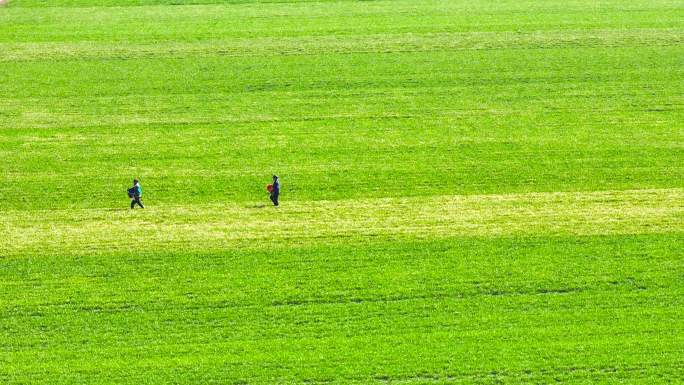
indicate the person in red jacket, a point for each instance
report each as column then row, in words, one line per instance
column 275, row 190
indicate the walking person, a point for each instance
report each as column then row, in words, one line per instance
column 135, row 193
column 275, row 190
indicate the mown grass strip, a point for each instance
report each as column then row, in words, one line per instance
column 210, row 227
column 314, row 45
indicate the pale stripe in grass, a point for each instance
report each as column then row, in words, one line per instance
column 316, row 45
column 221, row 226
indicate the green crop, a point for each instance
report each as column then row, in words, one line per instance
column 486, row 192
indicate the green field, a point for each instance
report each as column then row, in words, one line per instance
column 473, row 192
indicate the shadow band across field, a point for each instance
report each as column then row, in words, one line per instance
column 223, row 226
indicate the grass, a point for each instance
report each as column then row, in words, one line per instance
column 473, row 192
column 225, row 226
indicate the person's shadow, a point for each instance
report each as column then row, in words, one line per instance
column 259, row 206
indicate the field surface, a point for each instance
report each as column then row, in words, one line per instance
column 473, row 192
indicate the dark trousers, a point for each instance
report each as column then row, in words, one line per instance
column 274, row 198
column 136, row 200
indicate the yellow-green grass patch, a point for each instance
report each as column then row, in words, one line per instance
column 217, row 226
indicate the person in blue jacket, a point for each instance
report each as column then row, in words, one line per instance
column 135, row 193
column 276, row 190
